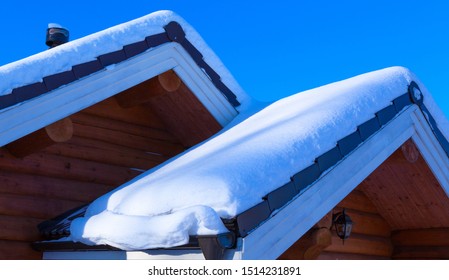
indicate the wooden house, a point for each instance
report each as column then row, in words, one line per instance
column 87, row 130
column 80, row 133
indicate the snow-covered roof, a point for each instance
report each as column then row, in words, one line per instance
column 62, row 59
column 255, row 155
column 235, row 170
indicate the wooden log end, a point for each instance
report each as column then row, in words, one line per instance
column 60, row 131
column 169, row 81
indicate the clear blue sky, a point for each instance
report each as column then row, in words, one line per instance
column 273, row 48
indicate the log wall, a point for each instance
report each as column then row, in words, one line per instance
column 110, row 145
column 370, row 237
column 421, row 244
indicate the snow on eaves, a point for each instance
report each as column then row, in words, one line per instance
column 234, row 170
column 32, row 69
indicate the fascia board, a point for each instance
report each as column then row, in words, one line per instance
column 278, row 233
column 125, row 255
column 200, row 84
column 431, row 150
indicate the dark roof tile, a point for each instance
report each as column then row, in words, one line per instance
column 112, row 58
column 54, row 81
column 29, row 91
column 349, row 143
column 156, row 40
column 279, row 197
column 209, row 71
column 401, row 101
column 7, row 100
column 329, row 159
column 85, row 69
column 307, row 176
column 252, row 217
column 135, row 48
column 368, row 128
column 386, row 114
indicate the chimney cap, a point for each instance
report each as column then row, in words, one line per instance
column 56, row 35
column 55, row 25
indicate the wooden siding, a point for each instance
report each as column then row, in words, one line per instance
column 407, row 194
column 184, row 116
column 110, row 145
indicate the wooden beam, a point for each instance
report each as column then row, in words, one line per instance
column 143, row 92
column 367, row 223
column 325, row 222
column 410, row 151
column 321, row 239
column 361, row 244
column 310, row 246
column 58, row 132
column 357, row 200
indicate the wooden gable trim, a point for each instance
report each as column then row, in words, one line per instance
column 431, row 150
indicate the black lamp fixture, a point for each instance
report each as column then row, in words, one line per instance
column 342, row 224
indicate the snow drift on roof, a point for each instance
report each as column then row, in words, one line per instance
column 233, row 171
column 32, row 69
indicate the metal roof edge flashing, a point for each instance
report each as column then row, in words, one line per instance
column 176, row 34
column 213, row 247
column 417, row 97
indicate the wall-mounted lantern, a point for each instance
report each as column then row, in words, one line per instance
column 342, row 224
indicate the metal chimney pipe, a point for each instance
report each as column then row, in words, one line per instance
column 56, row 35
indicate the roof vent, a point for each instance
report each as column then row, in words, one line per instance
column 56, row 35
